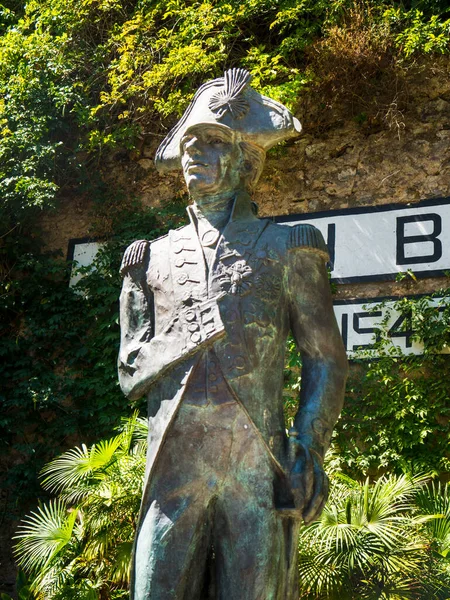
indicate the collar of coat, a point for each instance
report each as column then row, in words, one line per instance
column 242, row 229
column 234, row 245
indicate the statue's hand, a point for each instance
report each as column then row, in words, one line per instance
column 309, row 482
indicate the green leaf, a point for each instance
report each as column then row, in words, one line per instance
column 43, row 535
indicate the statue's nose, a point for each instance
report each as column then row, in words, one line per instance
column 192, row 147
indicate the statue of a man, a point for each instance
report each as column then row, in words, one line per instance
column 205, row 314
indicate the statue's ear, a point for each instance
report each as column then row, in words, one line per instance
column 253, row 159
column 246, row 170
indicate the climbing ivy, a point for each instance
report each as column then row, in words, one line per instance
column 90, row 75
column 59, row 347
column 397, row 410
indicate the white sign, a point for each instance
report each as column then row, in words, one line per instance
column 361, row 322
column 82, row 253
column 365, row 244
column 377, row 243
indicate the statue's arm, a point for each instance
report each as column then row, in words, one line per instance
column 145, row 357
column 324, row 371
column 136, row 317
column 324, row 360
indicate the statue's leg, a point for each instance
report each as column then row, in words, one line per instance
column 173, row 542
column 170, row 555
column 256, row 547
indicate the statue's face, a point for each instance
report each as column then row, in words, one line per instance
column 211, row 161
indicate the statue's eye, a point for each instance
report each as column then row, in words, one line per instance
column 184, row 143
column 216, row 141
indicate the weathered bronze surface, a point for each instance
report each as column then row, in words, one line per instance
column 205, row 314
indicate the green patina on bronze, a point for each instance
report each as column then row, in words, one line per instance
column 205, row 314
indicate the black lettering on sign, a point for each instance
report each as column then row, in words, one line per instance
column 344, row 330
column 358, row 329
column 403, row 328
column 331, row 244
column 403, row 240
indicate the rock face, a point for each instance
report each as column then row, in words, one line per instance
column 347, row 167
column 348, row 162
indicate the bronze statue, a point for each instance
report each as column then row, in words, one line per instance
column 205, row 314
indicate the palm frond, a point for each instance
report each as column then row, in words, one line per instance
column 43, row 534
column 77, row 466
column 133, row 430
column 321, row 581
column 434, row 501
column 120, row 573
column 370, row 538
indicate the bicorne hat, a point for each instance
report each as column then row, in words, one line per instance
column 230, row 102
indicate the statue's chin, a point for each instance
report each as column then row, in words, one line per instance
column 204, row 181
column 207, row 192
column 199, row 186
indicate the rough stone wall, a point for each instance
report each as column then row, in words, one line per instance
column 341, row 164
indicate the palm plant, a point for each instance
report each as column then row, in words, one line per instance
column 388, row 540
column 434, row 499
column 369, row 543
column 79, row 545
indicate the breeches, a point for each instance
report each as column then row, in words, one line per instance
column 208, row 525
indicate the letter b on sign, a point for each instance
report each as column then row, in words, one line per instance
column 427, row 245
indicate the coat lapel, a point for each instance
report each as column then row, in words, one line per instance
column 231, row 270
column 187, row 265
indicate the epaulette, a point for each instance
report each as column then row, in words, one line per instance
column 134, row 255
column 308, row 237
